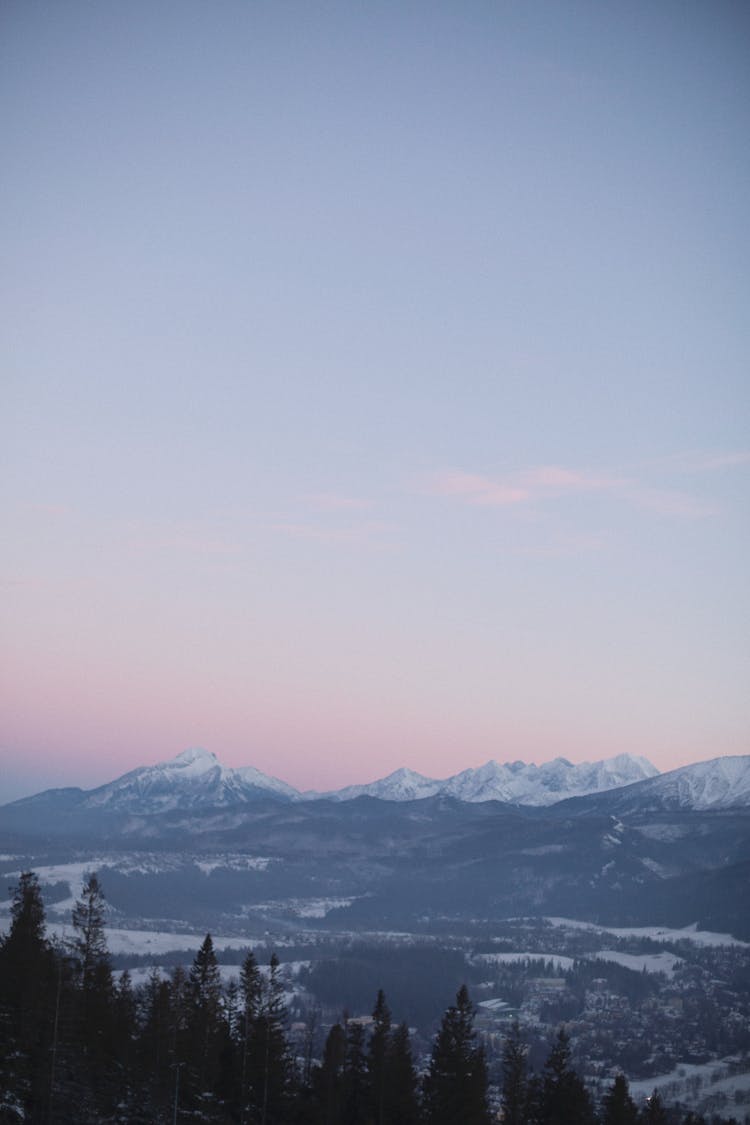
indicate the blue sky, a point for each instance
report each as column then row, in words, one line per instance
column 376, row 385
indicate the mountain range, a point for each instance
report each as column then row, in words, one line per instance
column 232, row 849
column 195, row 779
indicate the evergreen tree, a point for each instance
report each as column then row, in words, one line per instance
column 617, row 1105
column 154, row 1046
column 28, row 995
column 251, row 999
column 96, row 1033
column 516, row 1092
column 204, row 1025
column 269, row 1071
column 355, row 1075
column 377, row 1056
column 90, row 943
column 401, row 1101
column 329, row 1079
column 653, row 1112
column 564, row 1100
column 455, row 1088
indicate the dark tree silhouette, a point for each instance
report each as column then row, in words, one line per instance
column 401, row 1101
column 455, row 1088
column 516, row 1090
column 617, row 1105
column 377, row 1055
column 564, row 1100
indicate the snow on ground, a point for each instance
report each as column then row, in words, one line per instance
column 560, row 962
column 74, row 874
column 495, row 1005
column 299, row 907
column 693, row 1083
column 655, row 933
column 234, row 863
column 651, row 962
column 289, row 971
column 151, row 941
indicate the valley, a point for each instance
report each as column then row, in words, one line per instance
column 620, row 915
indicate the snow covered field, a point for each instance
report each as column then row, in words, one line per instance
column 654, row 933
column 638, row 962
column 695, row 1084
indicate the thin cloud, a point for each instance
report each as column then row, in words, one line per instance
column 542, row 484
column 524, row 486
column 475, row 489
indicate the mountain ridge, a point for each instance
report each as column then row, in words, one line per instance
column 196, row 779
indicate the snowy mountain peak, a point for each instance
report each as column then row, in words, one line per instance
column 523, row 784
column 195, row 761
column 721, row 783
column 401, row 785
column 196, row 779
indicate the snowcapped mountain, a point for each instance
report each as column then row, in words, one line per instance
column 196, row 780
column 513, row 782
column 401, row 785
column 721, row 783
column 193, row 779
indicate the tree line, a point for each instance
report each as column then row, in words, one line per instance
column 79, row 1045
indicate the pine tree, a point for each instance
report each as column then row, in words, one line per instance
column 27, row 1001
column 96, row 1034
column 515, row 1096
column 377, row 1055
column 329, row 1079
column 154, row 1046
column 401, row 1101
column 268, row 1070
column 251, row 994
column 90, row 943
column 564, row 1100
column 618, row 1106
column 455, row 1088
column 179, row 1037
column 204, row 1024
column 355, row 1075
column 654, row 1112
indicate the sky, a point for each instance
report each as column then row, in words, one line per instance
column 375, row 385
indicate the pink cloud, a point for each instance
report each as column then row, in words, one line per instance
column 549, row 482
column 479, row 490
column 526, row 485
column 556, row 478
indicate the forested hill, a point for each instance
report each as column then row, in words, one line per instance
column 80, row 1046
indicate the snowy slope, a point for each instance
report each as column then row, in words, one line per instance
column 196, row 779
column 722, row 783
column 401, row 785
column 193, row 779
column 544, row 785
column 514, row 782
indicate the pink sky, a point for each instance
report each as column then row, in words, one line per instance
column 372, row 397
